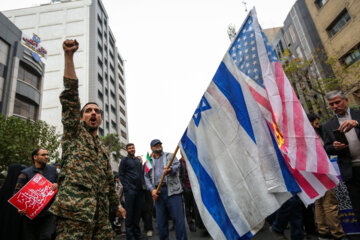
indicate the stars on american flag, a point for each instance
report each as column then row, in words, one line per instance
column 244, row 52
column 270, row 51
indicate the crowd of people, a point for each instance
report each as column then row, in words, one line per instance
column 91, row 204
column 341, row 139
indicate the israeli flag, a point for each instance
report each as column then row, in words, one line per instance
column 237, row 174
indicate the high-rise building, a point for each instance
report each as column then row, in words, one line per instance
column 338, row 25
column 99, row 66
column 299, row 36
column 21, row 75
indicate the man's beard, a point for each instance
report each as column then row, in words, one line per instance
column 158, row 151
column 131, row 154
column 92, row 129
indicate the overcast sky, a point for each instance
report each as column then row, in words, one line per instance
column 172, row 49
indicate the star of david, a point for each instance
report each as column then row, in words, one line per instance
column 203, row 106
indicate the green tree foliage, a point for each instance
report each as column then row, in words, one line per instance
column 307, row 84
column 345, row 78
column 113, row 144
column 18, row 138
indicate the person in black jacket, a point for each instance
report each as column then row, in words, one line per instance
column 10, row 221
column 42, row 227
column 345, row 121
column 132, row 178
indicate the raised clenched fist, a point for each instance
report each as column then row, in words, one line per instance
column 70, row 46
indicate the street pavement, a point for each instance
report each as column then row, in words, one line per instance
column 263, row 234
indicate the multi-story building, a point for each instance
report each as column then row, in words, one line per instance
column 299, row 36
column 21, row 75
column 98, row 63
column 337, row 23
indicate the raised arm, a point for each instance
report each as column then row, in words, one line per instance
column 69, row 98
column 70, row 47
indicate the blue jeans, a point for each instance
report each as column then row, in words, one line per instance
column 290, row 211
column 170, row 206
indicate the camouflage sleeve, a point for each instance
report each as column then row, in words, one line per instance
column 70, row 102
column 114, row 199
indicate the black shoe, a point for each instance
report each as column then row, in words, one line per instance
column 172, row 228
column 342, row 238
column 192, row 227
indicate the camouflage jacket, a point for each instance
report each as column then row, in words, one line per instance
column 86, row 182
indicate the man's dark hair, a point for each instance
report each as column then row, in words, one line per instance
column 312, row 117
column 128, row 145
column 35, row 152
column 83, row 108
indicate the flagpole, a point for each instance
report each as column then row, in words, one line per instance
column 163, row 176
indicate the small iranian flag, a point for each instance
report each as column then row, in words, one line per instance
column 148, row 164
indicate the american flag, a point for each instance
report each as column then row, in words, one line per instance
column 303, row 152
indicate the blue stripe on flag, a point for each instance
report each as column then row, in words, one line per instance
column 231, row 89
column 290, row 182
column 209, row 194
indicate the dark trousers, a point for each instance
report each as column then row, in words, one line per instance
column 133, row 205
column 147, row 209
column 42, row 228
column 189, row 206
column 170, row 206
column 353, row 187
column 290, row 211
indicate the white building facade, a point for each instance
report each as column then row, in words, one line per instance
column 99, row 66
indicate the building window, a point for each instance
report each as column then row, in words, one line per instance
column 101, row 131
column 99, row 47
column 99, row 33
column 107, row 107
column 121, row 79
column 122, row 72
column 352, row 56
column 112, row 68
column 122, row 99
column 113, row 124
column 112, row 81
column 122, row 121
column 299, row 52
column 4, row 52
column 107, row 125
column 112, row 94
column 120, row 60
column 121, row 89
column 100, row 95
column 113, row 110
column 100, row 79
column 287, row 40
column 279, row 49
column 111, row 43
column 292, row 34
column 338, row 23
column 100, row 63
column 123, row 134
column 99, row 19
column 25, row 108
column 27, row 75
column 320, row 3
column 122, row 111
column 107, row 91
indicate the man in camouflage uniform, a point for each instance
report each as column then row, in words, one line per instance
column 86, row 186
